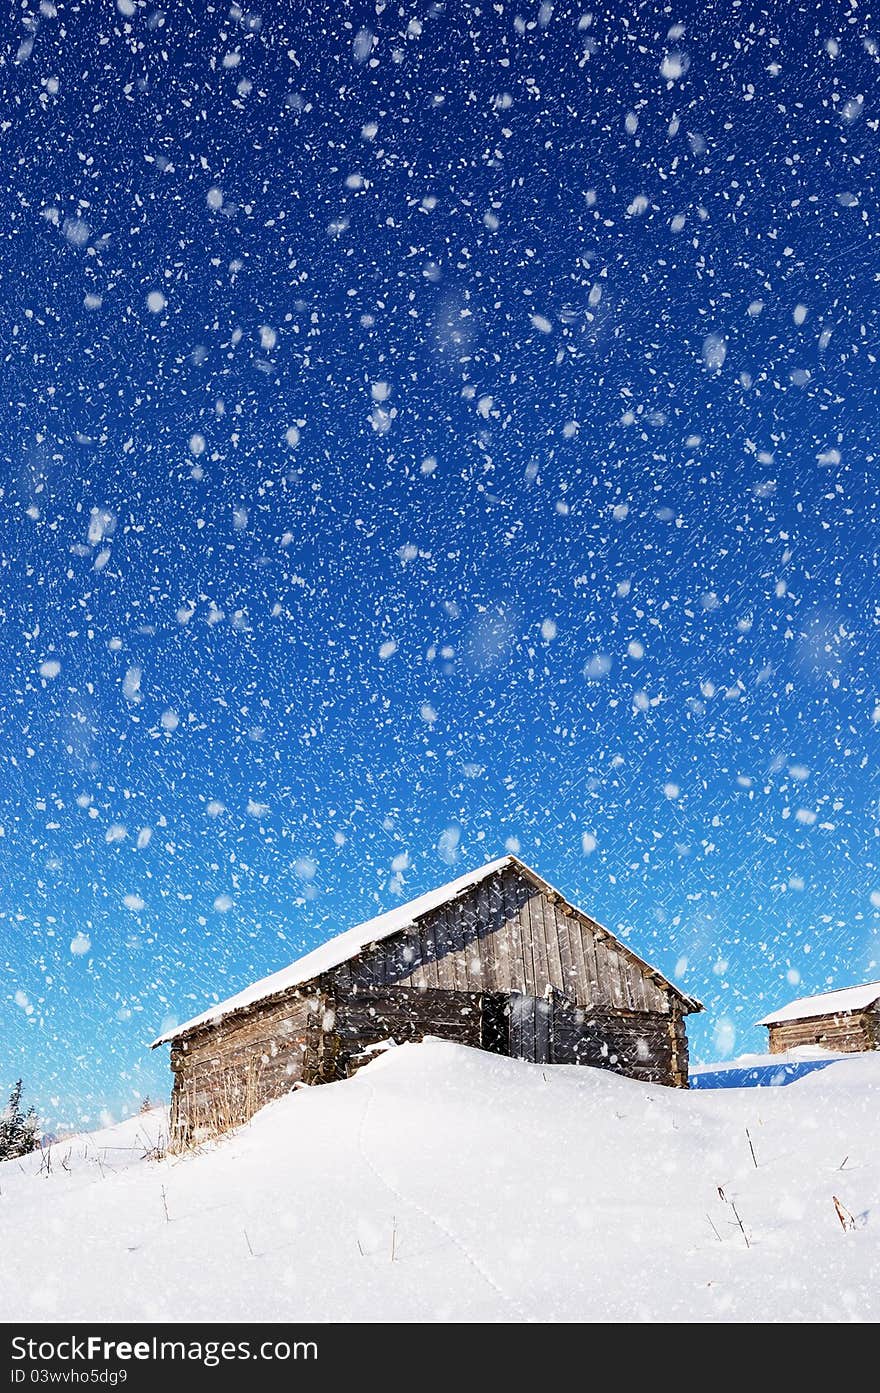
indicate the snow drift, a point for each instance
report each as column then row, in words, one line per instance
column 443, row 1183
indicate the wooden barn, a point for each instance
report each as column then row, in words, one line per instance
column 497, row 959
column 846, row 1020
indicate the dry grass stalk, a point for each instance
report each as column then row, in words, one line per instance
column 847, row 1220
column 224, row 1101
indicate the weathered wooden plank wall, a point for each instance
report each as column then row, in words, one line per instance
column 402, row 1014
column 638, row 1043
column 223, row 1073
column 850, row 1033
column 506, row 934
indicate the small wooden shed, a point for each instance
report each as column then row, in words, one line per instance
column 496, row 959
column 846, row 1020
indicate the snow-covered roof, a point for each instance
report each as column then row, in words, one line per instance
column 347, row 945
column 826, row 1004
column 339, row 949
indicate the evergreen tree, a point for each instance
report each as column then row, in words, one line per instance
column 18, row 1129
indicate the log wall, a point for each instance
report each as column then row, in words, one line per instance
column 640, row 1044
column 850, row 1032
column 223, row 1073
column 402, row 1014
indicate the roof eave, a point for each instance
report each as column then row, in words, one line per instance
column 818, row 1015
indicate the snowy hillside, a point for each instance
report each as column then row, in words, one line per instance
column 443, row 1183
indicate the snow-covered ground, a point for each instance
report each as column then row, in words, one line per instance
column 446, row 1184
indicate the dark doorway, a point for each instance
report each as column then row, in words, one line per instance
column 494, row 1023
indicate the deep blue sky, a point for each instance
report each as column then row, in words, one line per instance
column 428, row 430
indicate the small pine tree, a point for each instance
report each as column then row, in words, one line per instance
column 18, row 1129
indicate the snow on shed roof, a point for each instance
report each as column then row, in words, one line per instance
column 347, row 945
column 826, row 1004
